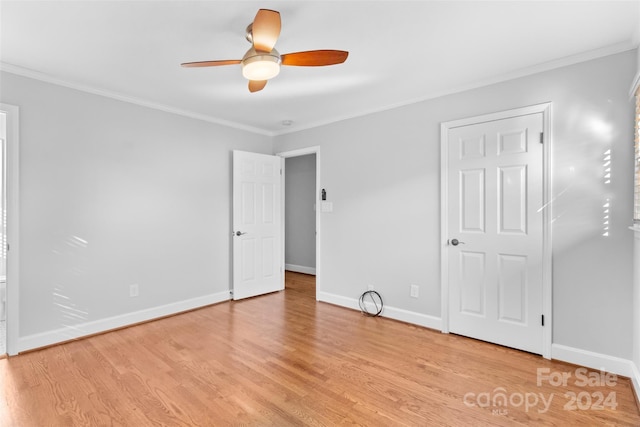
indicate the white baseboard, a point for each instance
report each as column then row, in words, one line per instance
column 300, row 269
column 635, row 381
column 72, row 332
column 603, row 362
column 402, row 315
column 589, row 359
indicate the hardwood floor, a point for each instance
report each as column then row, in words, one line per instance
column 284, row 359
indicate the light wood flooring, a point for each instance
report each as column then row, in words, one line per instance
column 284, row 359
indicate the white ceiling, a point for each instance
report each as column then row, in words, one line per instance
column 400, row 51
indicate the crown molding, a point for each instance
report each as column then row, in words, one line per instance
column 523, row 72
column 37, row 75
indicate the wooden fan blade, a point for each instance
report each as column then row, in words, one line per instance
column 314, row 58
column 256, row 85
column 211, row 63
column 265, row 29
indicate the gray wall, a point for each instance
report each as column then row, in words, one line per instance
column 114, row 194
column 300, row 216
column 383, row 174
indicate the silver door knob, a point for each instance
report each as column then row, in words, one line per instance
column 240, row 233
column 456, row 242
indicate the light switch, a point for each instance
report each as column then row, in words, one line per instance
column 326, row 207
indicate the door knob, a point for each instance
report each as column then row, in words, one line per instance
column 240, row 233
column 456, row 242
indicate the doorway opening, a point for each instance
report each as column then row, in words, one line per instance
column 300, row 226
column 301, row 214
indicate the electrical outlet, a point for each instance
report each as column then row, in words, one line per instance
column 370, row 287
column 133, row 290
column 415, row 290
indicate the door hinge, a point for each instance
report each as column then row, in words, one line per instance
column 541, row 137
column 542, row 318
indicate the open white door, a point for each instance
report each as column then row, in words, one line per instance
column 257, row 225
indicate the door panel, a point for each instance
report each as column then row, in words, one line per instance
column 472, row 273
column 495, row 201
column 512, row 288
column 513, row 199
column 512, row 142
column 257, row 249
column 472, row 200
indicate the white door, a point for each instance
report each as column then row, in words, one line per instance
column 495, row 231
column 257, row 224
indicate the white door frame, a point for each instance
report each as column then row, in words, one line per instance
column 547, row 286
column 296, row 153
column 13, row 218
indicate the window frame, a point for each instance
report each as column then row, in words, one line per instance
column 636, row 184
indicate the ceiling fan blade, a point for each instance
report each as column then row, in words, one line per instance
column 265, row 29
column 256, row 85
column 314, row 58
column 211, row 63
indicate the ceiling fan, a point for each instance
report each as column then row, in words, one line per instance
column 262, row 62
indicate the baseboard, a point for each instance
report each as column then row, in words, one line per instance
column 635, row 382
column 300, row 269
column 72, row 332
column 402, row 315
column 589, row 359
column 603, row 362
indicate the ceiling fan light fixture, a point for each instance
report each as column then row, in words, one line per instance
column 260, row 66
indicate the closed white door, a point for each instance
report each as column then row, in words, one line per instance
column 495, row 176
column 257, row 225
